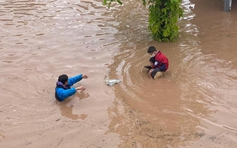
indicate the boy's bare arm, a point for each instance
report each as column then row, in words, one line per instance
column 80, row 88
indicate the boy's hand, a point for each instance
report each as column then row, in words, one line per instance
column 80, row 88
column 150, row 71
column 148, row 67
column 84, row 76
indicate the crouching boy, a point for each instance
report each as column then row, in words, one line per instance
column 159, row 63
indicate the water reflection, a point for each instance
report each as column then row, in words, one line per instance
column 66, row 106
column 66, row 111
column 82, row 95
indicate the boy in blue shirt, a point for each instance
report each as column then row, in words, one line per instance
column 63, row 88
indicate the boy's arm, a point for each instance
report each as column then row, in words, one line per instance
column 155, row 64
column 148, row 67
column 74, row 79
column 63, row 94
column 162, row 67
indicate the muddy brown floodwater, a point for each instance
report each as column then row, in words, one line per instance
column 194, row 105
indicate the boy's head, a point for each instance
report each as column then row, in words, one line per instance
column 63, row 79
column 152, row 51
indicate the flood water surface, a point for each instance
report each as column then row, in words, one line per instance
column 193, row 105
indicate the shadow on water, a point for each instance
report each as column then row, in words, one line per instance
column 148, row 113
column 66, row 106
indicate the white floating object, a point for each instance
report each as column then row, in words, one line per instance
column 112, row 82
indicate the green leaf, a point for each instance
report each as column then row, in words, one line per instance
column 119, row 2
column 109, row 4
column 104, row 2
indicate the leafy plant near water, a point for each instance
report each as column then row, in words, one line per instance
column 163, row 18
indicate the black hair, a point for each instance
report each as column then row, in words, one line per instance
column 63, row 78
column 152, row 60
column 151, row 49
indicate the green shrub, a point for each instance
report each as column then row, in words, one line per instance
column 163, row 18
